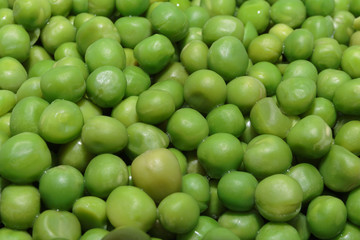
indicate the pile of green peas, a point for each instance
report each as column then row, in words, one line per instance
column 179, row 119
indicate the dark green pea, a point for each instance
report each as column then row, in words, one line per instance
column 298, row 45
column 256, row 12
column 133, row 30
column 328, row 81
column 319, row 26
column 345, row 94
column 292, row 13
column 343, row 24
column 197, row 16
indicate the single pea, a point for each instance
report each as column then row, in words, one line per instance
column 54, row 224
column 110, row 138
column 319, row 26
column 265, row 47
column 62, row 7
column 245, row 225
column 299, row 45
column 12, row 74
column 350, row 58
column 26, row 114
column 106, row 86
column 343, row 25
column 328, row 81
column 273, row 230
column 6, row 16
column 250, row 33
column 319, row 7
column 197, row 16
column 101, row 8
column 88, row 109
column 215, row 7
column 346, row 93
column 301, row 68
column 267, row 155
column 354, row 8
column 94, row 234
column 267, row 118
column 10, row 234
column 268, row 74
column 326, row 216
column 353, row 206
column 32, row 14
column 326, row 54
column 227, row 57
column 179, row 212
column 355, row 39
column 256, row 12
column 81, row 18
column 14, row 42
column 31, row 155
column 67, row 49
column 173, row 71
column 29, row 88
column 278, row 197
column 292, row 13
column 182, row 4
column 161, row 167
column 125, row 111
column 194, row 56
column 137, row 81
column 105, row 52
column 347, row 136
column 325, row 109
column 198, row 187
column 154, row 53
column 204, row 225
column 174, row 88
column 281, row 30
column 132, row 8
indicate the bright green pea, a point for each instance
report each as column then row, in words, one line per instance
column 227, row 56
column 220, row 26
column 301, row 68
column 104, row 173
column 194, row 56
column 36, row 54
column 26, row 114
column 347, row 93
column 324, row 108
column 343, row 24
column 350, row 232
column 355, row 39
column 265, row 47
column 250, row 33
column 143, row 137
column 62, row 7
column 6, row 16
column 174, row 88
column 126, row 232
column 319, row 26
column 216, row 7
column 125, row 111
column 154, row 53
column 14, row 42
column 220, row 232
column 133, row 30
column 4, row 4
column 341, row 5
column 256, row 12
column 182, row 4
column 298, row 45
column 181, row 159
column 187, row 128
column 94, row 29
column 67, row 49
column 24, row 157
column 198, row 187
column 267, row 118
column 354, row 8
column 194, row 33
column 169, row 20
column 7, row 101
column 281, row 30
column 347, row 136
column 54, row 224
column 173, row 71
column 327, row 53
column 32, row 14
column 226, row 118
column 278, row 198
column 353, row 206
column 39, row 68
column 266, row 155
column 204, row 225
column 137, row 81
column 81, row 18
column 101, row 8
column 319, row 7
column 268, row 74
column 101, row 140
column 132, row 7
column 292, row 13
column 339, row 169
column 197, row 16
column 12, row 74
column 94, row 234
column 349, row 61
column 73, row 61
column 5, row 124
column 326, row 216
column 273, row 230
column 88, row 109
column 328, row 81
column 10, row 234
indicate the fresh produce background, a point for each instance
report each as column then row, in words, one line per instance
column 203, row 119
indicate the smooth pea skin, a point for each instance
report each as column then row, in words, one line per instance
column 274, row 230
column 281, row 30
column 161, row 176
column 326, row 216
column 31, row 155
column 351, row 59
column 125, row 111
column 265, row 47
column 7, row 101
column 130, row 206
column 131, row 8
column 346, row 99
column 14, row 42
column 328, row 81
column 53, row 224
column 88, row 109
column 348, row 136
column 12, row 74
column 299, row 222
column 292, row 13
column 266, row 155
column 133, row 30
column 350, row 232
column 110, row 138
column 256, row 12
column 154, row 53
column 227, row 56
column 31, row 87
column 10, row 234
column 67, row 49
column 278, row 197
column 205, row 224
column 319, row 26
column 198, row 187
column 298, row 45
column 326, row 54
column 353, row 206
column 339, row 169
column 40, row 67
column 6, row 16
column 266, row 117
column 197, row 16
column 249, row 34
column 325, row 109
column 174, row 88
column 137, row 81
column 216, row 7
column 194, row 56
column 104, row 173
column 220, row 232
column 301, row 68
column 94, row 234
column 319, row 7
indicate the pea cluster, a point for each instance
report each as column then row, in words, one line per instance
column 179, row 119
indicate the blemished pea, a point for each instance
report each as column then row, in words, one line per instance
column 56, row 224
column 110, row 138
column 205, row 224
column 157, row 172
column 345, row 93
column 220, row 26
column 265, row 47
column 328, row 81
column 268, row 74
column 125, row 111
column 179, row 212
column 326, row 54
column 249, row 34
column 197, row 16
column 88, row 109
column 319, row 7
column 60, row 187
column 174, row 88
column 198, row 187
column 24, row 148
column 154, row 53
column 278, row 197
column 350, row 59
column 281, row 30
column 204, row 90
column 227, row 56
column 215, row 7
column 6, row 16
column 133, row 30
column 292, row 13
column 14, row 42
column 353, row 206
column 348, row 135
column 226, row 118
column 144, row 137
column 169, row 20
column 310, row 138
column 326, row 216
column 267, row 118
column 256, row 12
column 106, row 86
column 220, row 146
column 339, row 168
column 194, row 56
column 267, row 155
column 298, row 45
column 245, row 225
column 19, row 206
column 301, row 68
column 105, row 52
column 131, row 7
column 319, row 26
column 274, row 230
column 8, row 233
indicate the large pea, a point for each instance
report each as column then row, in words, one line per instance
column 32, row 14
column 265, row 47
column 319, row 26
column 14, row 42
column 298, row 45
column 133, row 30
column 292, row 13
column 327, row 53
column 328, row 81
column 350, row 59
column 256, row 12
column 194, row 56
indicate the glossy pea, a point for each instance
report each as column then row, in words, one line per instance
column 256, row 12
column 319, row 26
column 347, row 136
column 268, row 74
column 133, row 30
column 292, row 13
column 298, row 45
column 342, row 96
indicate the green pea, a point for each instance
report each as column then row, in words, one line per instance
column 54, row 224
column 215, row 7
column 265, row 47
column 353, row 207
column 137, row 81
column 354, row 8
column 125, row 111
column 278, row 197
column 347, row 136
column 194, row 33
column 194, row 56
column 268, row 74
column 7, row 101
column 197, row 16
column 193, row 164
column 349, row 61
column 81, row 18
column 267, row 118
column 143, row 137
column 94, row 233
column 249, row 132
column 131, row 7
column 326, row 54
column 182, row 4
column 154, row 53
column 220, row 26
column 14, row 42
column 181, row 159
column 198, row 187
column 220, row 232
column 298, row 45
column 256, row 12
column 292, row 13
column 40, row 67
column 204, row 225
column 26, row 114
column 343, row 94
column 173, row 71
column 355, row 39
column 328, row 81
column 88, row 109
column 133, row 30
column 299, row 222
column 32, row 14
column 174, row 88
column 6, row 16
column 10, row 234
column 267, row 155
column 326, row 216
column 24, row 149
column 62, row 7
column 250, row 33
column 130, row 58
column 12, row 74
column 343, row 24
column 75, row 62
column 281, row 30
column 319, row 7
column 277, row 231
column 67, row 49
column 301, row 68
column 350, row 231
column 227, row 56
column 319, row 26
column 101, row 8
column 5, row 124
column 325, row 109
